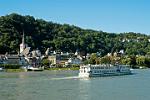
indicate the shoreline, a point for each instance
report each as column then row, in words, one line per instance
column 49, row 69
column 64, row 68
column 14, row 70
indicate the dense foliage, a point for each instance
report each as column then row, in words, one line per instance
column 132, row 60
column 68, row 38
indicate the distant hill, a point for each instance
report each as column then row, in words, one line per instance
column 68, row 38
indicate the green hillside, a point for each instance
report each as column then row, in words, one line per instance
column 68, row 38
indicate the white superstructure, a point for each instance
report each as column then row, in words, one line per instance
column 103, row 70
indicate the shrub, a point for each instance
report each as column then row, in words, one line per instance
column 10, row 66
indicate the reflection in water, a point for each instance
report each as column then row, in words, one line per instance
column 84, row 88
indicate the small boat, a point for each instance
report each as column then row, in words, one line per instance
column 1, row 69
column 103, row 70
column 30, row 68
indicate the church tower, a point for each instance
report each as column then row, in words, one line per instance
column 22, row 45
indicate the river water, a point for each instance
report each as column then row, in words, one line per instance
column 65, row 85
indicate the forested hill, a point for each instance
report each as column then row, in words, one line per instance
column 68, row 38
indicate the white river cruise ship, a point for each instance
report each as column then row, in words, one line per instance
column 103, row 70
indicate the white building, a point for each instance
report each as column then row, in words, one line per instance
column 22, row 45
column 74, row 61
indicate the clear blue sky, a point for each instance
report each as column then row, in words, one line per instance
column 106, row 15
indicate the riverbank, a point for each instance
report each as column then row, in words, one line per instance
column 14, row 70
column 64, row 68
column 22, row 70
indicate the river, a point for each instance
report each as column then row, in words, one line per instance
column 65, row 85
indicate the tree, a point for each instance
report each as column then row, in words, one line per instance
column 93, row 59
column 46, row 63
column 105, row 60
column 140, row 60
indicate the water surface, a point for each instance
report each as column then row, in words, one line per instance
column 65, row 85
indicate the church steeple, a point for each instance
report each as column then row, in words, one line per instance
column 22, row 45
column 23, row 42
